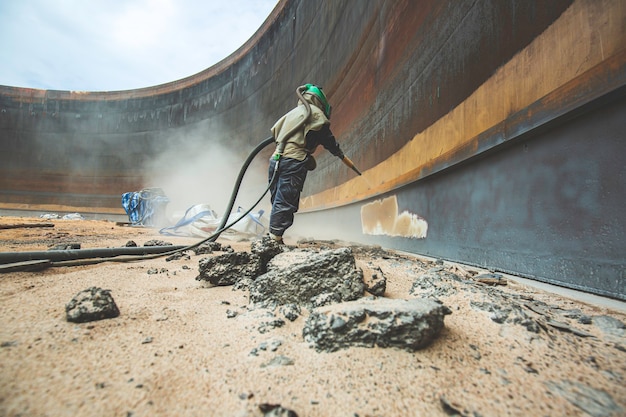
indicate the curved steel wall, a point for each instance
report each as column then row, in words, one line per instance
column 465, row 116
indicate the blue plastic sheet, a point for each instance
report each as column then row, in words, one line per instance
column 145, row 207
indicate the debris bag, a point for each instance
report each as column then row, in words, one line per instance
column 200, row 220
column 145, row 207
column 73, row 216
column 254, row 224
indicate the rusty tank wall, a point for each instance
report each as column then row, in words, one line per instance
column 488, row 132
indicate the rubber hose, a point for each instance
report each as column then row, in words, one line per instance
column 71, row 254
column 233, row 197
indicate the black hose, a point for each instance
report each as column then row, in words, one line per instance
column 72, row 254
column 233, row 197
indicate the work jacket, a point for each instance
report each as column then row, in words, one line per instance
column 303, row 142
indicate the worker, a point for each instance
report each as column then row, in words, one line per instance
column 297, row 137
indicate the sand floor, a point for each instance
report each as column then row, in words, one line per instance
column 174, row 351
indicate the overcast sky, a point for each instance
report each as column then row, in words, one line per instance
column 106, row 45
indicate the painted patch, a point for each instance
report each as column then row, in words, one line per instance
column 381, row 217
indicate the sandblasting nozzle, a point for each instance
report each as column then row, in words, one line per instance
column 350, row 164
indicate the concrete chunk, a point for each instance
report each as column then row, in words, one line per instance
column 309, row 276
column 405, row 324
column 229, row 268
column 90, row 305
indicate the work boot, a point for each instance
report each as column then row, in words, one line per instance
column 276, row 238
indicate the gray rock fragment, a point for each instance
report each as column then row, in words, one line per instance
column 208, row 248
column 267, row 326
column 435, row 283
column 406, row 324
column 325, row 299
column 66, row 246
column 375, row 281
column 228, row 268
column 90, row 305
column 157, row 242
column 596, row 403
column 609, row 325
column 299, row 282
column 285, row 259
column 243, row 284
column 507, row 312
column 279, row 360
column 271, row 345
column 276, row 410
column 452, row 408
column 237, row 268
column 290, row 311
column 265, row 248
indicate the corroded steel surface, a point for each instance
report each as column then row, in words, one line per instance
column 423, row 93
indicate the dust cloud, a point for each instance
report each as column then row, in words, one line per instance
column 196, row 170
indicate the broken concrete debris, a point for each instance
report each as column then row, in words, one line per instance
column 374, row 280
column 490, row 279
column 435, row 283
column 279, row 360
column 405, row 324
column 328, row 283
column 266, row 249
column 157, row 242
column 594, row 402
column 66, row 246
column 210, row 247
column 276, row 410
column 507, row 313
column 290, row 311
column 271, row 345
column 90, row 305
column 332, row 271
column 228, row 268
column 610, row 325
column 233, row 267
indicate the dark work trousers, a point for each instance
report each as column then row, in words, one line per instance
column 285, row 192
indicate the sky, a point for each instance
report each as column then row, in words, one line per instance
column 111, row 45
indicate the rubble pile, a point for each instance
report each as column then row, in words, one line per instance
column 328, row 283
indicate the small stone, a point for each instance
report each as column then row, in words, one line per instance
column 156, row 242
column 276, row 410
column 90, row 305
column 290, row 311
column 279, row 360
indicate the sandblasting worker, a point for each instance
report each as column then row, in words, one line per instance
column 294, row 157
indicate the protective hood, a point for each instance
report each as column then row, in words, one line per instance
column 312, row 99
column 295, row 145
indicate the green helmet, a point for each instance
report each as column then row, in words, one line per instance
column 317, row 92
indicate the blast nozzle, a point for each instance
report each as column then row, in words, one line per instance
column 350, row 164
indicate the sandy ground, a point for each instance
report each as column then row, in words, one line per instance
column 174, row 351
